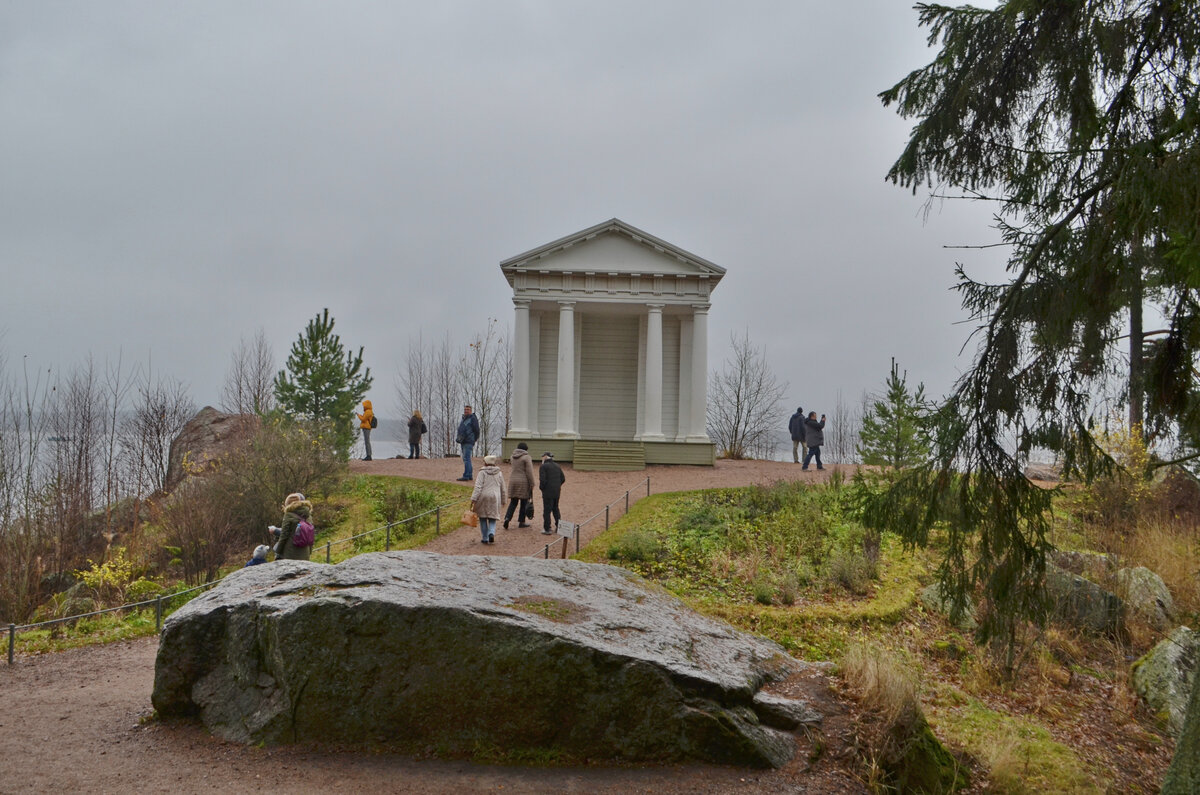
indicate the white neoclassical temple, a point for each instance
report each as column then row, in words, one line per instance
column 610, row 349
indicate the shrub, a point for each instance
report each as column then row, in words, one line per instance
column 850, row 571
column 764, row 594
column 401, row 502
column 109, row 579
column 141, row 590
column 637, row 546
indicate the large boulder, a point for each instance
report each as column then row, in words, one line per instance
column 1147, row 595
column 205, row 439
column 1082, row 604
column 1164, row 678
column 468, row 654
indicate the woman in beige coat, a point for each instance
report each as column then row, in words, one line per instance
column 520, row 485
column 488, row 498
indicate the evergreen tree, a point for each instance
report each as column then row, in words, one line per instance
column 1081, row 121
column 321, row 382
column 893, row 434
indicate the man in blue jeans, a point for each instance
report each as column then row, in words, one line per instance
column 468, row 432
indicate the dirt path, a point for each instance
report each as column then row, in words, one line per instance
column 77, row 721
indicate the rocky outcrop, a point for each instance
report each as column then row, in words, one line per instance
column 1164, row 678
column 1147, row 596
column 937, row 602
column 1082, row 604
column 1096, row 566
column 463, row 654
column 1050, row 473
column 205, row 439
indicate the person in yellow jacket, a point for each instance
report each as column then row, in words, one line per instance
column 366, row 421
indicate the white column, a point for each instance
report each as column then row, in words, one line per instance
column 565, row 421
column 699, row 423
column 520, row 349
column 654, row 373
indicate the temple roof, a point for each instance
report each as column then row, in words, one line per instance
column 614, row 247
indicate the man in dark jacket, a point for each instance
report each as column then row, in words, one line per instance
column 796, row 428
column 814, row 436
column 468, row 433
column 550, row 480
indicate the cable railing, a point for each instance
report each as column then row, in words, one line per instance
column 161, row 599
column 578, row 529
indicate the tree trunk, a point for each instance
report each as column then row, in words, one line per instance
column 1137, row 386
column 1183, row 776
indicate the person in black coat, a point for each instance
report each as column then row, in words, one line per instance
column 796, row 429
column 550, row 481
column 814, row 436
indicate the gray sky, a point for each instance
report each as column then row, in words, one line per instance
column 174, row 176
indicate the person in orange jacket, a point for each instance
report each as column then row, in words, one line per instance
column 366, row 421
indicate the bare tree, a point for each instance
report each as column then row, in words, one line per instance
column 250, row 381
column 845, row 422
column 163, row 407
column 482, row 378
column 744, row 402
column 444, row 423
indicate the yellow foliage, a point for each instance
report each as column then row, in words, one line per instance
column 110, row 578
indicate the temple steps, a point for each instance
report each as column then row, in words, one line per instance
column 609, row 456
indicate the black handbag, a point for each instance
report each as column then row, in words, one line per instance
column 529, row 510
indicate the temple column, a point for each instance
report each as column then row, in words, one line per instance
column 565, row 421
column 654, row 374
column 520, row 348
column 699, row 419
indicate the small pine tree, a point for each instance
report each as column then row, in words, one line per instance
column 893, row 434
column 321, row 382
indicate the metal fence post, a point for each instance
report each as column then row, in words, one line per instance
column 158, row 613
column 546, row 551
column 438, row 522
column 647, row 486
column 12, row 639
column 326, row 551
column 578, row 530
column 626, row 502
column 606, row 507
column 387, row 544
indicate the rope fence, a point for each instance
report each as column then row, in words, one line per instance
column 159, row 600
column 605, row 512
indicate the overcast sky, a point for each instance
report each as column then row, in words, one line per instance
column 175, row 176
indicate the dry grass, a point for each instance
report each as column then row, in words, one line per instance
column 882, row 682
column 1007, row 763
column 1171, row 550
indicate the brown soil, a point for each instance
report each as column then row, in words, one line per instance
column 79, row 720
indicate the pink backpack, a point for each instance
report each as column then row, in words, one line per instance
column 305, row 534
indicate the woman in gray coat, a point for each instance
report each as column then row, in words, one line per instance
column 520, row 485
column 488, row 498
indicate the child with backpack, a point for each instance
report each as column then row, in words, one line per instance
column 260, row 556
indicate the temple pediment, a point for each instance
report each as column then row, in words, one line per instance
column 612, row 261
